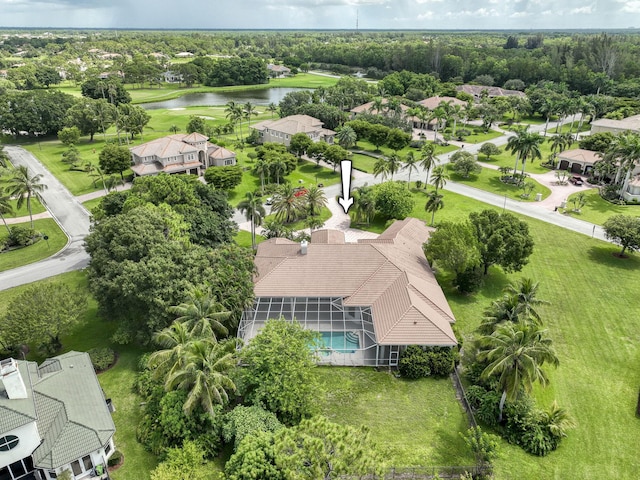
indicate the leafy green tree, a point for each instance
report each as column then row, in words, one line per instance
column 71, row 156
column 464, row 164
column 623, row 230
column 114, row 159
column 254, row 212
column 316, row 151
column 132, row 119
column 377, row 134
column 69, row 136
column 516, row 354
column 110, row 89
column 41, row 315
column 246, row 421
column 392, row 201
column 397, row 139
column 320, row 449
column 453, row 246
column 484, row 446
column 255, row 459
column 196, row 124
column 225, row 178
column 299, row 144
column 202, row 314
column 489, row 149
column 434, row 203
column 91, row 116
column 503, row 240
column 185, row 463
column 24, row 186
column 334, row 154
column 279, row 370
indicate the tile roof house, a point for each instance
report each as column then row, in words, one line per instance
column 370, row 108
column 479, row 90
column 631, row 124
column 281, row 130
column 432, row 103
column 578, row 160
column 53, row 417
column 278, row 71
column 180, row 153
column 368, row 300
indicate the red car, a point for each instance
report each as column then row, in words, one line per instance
column 300, row 191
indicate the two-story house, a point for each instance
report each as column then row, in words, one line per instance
column 281, row 130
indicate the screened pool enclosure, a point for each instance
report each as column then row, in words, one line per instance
column 347, row 333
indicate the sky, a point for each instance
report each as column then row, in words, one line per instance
column 323, row 14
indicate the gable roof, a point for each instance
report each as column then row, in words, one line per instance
column 389, row 273
column 68, row 405
column 432, row 103
column 580, row 155
column 368, row 108
column 292, row 124
column 164, row 147
column 630, row 123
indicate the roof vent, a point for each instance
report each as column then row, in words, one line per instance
column 303, row 247
column 12, row 380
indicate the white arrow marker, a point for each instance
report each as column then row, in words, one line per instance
column 346, row 200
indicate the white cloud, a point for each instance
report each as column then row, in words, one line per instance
column 587, row 10
column 631, row 7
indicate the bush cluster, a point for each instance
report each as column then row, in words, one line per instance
column 114, row 459
column 419, row 362
column 21, row 237
column 102, row 358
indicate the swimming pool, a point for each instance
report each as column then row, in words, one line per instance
column 340, row 342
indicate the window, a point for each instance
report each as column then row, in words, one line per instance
column 229, row 161
column 88, row 464
column 53, row 474
column 77, row 469
column 107, row 448
column 8, row 442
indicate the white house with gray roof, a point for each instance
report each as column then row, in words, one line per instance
column 53, row 417
column 368, row 300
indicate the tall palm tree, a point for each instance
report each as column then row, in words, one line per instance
column 411, row 164
column 234, row 114
column 394, row 164
column 273, row 108
column 526, row 293
column 438, row 114
column 439, row 177
column 261, row 168
column 364, row 204
column 625, row 151
column 381, row 167
column 174, row 129
column 434, row 204
column 5, row 208
column 23, row 185
column 315, row 199
column 253, row 210
column 4, row 158
column 287, row 206
column 277, row 168
column 174, row 341
column 548, row 108
column 347, row 137
column 516, row 354
column 249, row 110
column 526, row 145
column 204, row 372
column 202, row 314
column 428, row 159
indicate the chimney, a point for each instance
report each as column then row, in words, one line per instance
column 303, row 247
column 12, row 380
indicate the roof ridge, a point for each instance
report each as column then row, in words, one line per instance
column 428, row 301
column 400, row 317
column 374, row 273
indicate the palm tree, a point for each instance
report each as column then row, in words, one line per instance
column 411, row 164
column 248, row 111
column 315, row 199
column 434, row 204
column 174, row 129
column 440, row 177
column 202, row 314
column 557, row 420
column 287, row 206
column 364, row 204
column 174, row 341
column 394, row 164
column 273, row 108
column 548, row 108
column 234, row 114
column 438, row 114
column 516, row 354
column 4, row 158
column 526, row 293
column 277, row 168
column 428, row 159
column 526, row 145
column 22, row 185
column 5, row 208
column 507, row 309
column 625, row 151
column 253, row 210
column 204, row 371
column 261, row 168
column 347, row 137
column 381, row 167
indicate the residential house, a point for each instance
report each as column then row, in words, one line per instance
column 172, row 77
column 432, row 103
column 368, row 300
column 278, row 71
column 631, row 124
column 281, row 130
column 632, row 191
column 578, row 160
column 53, row 417
column 370, row 108
column 479, row 91
column 180, row 153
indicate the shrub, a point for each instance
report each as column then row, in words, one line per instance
column 21, row 237
column 417, row 144
column 461, row 133
column 469, row 280
column 414, row 363
column 489, row 408
column 102, row 358
column 115, row 459
column 441, row 360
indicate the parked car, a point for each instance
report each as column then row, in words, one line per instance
column 576, row 180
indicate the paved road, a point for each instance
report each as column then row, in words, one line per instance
column 72, row 217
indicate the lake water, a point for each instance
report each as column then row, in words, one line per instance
column 263, row 96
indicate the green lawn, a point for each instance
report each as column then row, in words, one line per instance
column 370, row 147
column 489, row 180
column 597, row 210
column 507, row 159
column 595, row 324
column 574, row 126
column 474, row 137
column 362, row 162
column 243, row 238
column 36, row 207
column 91, row 204
column 413, row 422
column 37, row 251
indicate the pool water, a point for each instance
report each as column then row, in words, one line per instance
column 341, row 342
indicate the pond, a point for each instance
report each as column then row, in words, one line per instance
column 263, row 96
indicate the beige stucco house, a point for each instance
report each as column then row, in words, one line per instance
column 278, row 71
column 631, row 124
column 368, row 300
column 281, row 130
column 180, row 153
column 53, row 417
column 578, row 160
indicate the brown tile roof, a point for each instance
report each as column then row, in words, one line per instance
column 580, row 155
column 327, row 236
column 194, row 137
column 164, row 147
column 156, row 167
column 432, row 103
column 214, row 151
column 292, row 124
column 390, row 274
column 368, row 108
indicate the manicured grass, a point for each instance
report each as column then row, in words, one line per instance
column 91, row 204
column 362, row 162
column 507, row 159
column 474, row 137
column 36, row 207
column 573, row 126
column 489, row 180
column 243, row 238
column 597, row 210
column 37, row 251
column 594, row 320
column 412, row 422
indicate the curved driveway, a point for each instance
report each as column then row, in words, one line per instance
column 72, row 217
